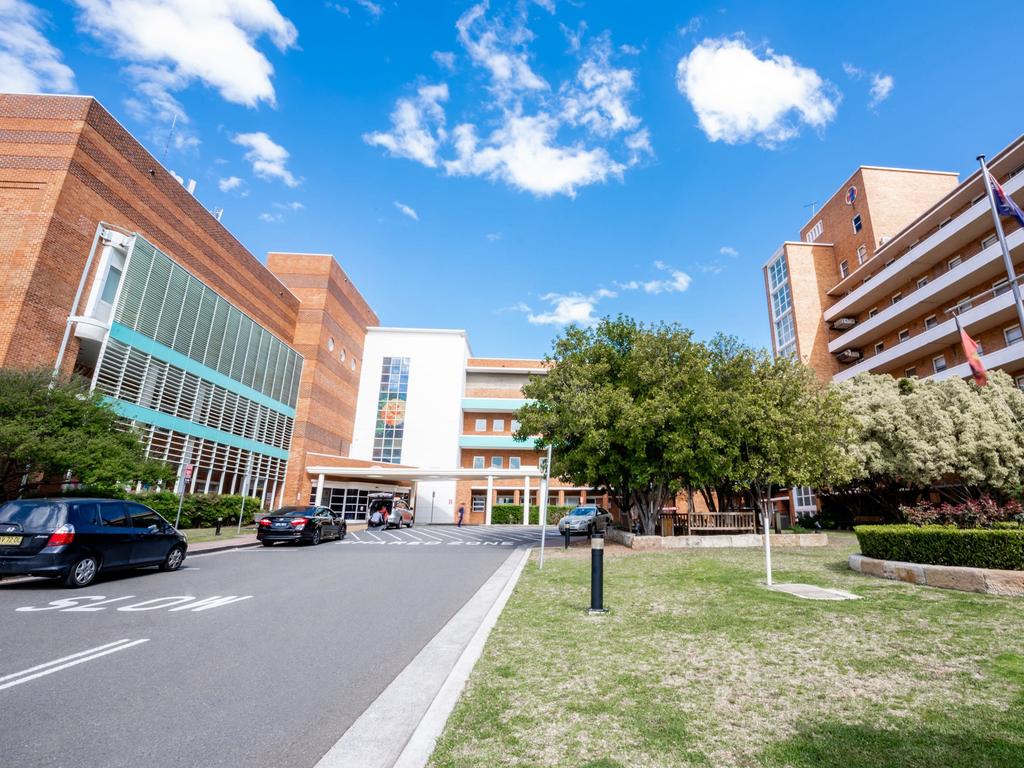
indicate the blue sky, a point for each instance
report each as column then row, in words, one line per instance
column 507, row 167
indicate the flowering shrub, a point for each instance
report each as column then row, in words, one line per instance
column 975, row 513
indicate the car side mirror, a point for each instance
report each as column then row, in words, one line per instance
column 153, row 528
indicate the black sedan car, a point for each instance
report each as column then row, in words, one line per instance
column 75, row 539
column 309, row 525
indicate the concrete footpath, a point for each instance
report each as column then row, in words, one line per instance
column 400, row 728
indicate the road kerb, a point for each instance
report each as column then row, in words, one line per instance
column 422, row 696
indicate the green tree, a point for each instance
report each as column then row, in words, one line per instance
column 623, row 408
column 50, row 428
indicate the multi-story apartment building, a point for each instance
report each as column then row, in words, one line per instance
column 878, row 272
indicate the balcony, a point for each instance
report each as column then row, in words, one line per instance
column 1011, row 357
column 501, row 442
column 997, row 311
column 493, row 404
column 941, row 293
column 972, row 225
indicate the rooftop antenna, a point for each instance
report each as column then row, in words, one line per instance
column 813, row 206
column 170, row 135
column 218, row 213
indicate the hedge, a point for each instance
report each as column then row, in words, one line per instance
column 512, row 514
column 944, row 545
column 198, row 510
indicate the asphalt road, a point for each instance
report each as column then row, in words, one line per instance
column 299, row 643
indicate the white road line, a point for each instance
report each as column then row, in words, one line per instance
column 433, row 536
column 389, row 533
column 419, row 535
column 446, row 534
column 374, row 535
column 68, row 661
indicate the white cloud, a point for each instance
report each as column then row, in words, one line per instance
column 741, row 97
column 493, row 237
column 524, row 135
column 444, row 59
column 211, row 42
column 267, row 157
column 676, row 282
column 417, row 126
column 629, row 50
column 229, row 184
column 881, row 87
column 574, row 36
column 728, row 250
column 371, row 7
column 565, row 309
column 691, row 26
column 407, row 211
column 292, row 206
column 271, row 218
column 29, row 63
column 852, row 71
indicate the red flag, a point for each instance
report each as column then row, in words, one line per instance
column 973, row 358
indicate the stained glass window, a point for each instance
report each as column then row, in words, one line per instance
column 390, row 427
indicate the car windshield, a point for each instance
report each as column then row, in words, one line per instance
column 583, row 511
column 293, row 511
column 34, row 515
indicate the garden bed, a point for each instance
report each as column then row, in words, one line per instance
column 991, row 581
column 633, row 541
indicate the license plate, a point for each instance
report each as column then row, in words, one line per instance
column 10, row 541
column 280, row 525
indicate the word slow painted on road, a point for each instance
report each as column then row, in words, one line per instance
column 171, row 603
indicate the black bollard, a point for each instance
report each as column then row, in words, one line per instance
column 597, row 574
column 567, row 535
column 219, row 521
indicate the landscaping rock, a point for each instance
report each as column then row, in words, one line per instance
column 912, row 573
column 952, row 577
column 1010, row 583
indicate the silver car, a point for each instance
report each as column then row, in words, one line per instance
column 587, row 518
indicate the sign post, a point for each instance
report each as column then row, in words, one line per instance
column 542, row 507
column 186, row 475
column 767, row 544
column 245, row 492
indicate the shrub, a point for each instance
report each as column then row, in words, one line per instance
column 199, row 510
column 512, row 514
column 974, row 513
column 944, row 545
column 555, row 513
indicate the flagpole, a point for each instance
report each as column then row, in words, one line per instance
column 1007, row 262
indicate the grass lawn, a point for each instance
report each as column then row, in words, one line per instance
column 699, row 665
column 195, row 535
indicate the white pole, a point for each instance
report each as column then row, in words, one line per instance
column 490, row 500
column 1007, row 261
column 767, row 546
column 542, row 506
column 526, row 500
column 245, row 492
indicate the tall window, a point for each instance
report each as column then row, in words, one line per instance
column 844, row 268
column 478, row 462
column 862, row 254
column 498, row 425
column 514, row 462
column 858, row 224
column 782, row 307
column 390, row 428
column 1012, row 335
column 805, row 499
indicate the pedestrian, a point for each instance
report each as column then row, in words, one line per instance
column 462, row 513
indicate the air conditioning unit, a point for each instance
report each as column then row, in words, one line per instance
column 882, row 241
column 848, row 356
column 843, row 323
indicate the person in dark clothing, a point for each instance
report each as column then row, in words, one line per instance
column 462, row 513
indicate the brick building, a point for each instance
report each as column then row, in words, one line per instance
column 878, row 272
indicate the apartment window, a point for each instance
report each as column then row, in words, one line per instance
column 1000, row 287
column 939, row 363
column 814, row 232
column 844, row 268
column 1015, row 171
column 514, row 462
column 964, row 305
column 497, row 462
column 862, row 254
column 872, row 312
column 955, row 262
column 498, row 425
column 478, row 462
column 858, row 225
column 890, row 262
column 1020, row 382
column 515, row 425
column 1012, row 334
column 910, row 373
column 904, row 335
column 879, row 347
column 896, row 297
column 989, row 241
column 785, row 332
column 781, row 306
column 481, row 425
column 505, row 498
column 945, row 221
column 922, row 282
column 930, row 322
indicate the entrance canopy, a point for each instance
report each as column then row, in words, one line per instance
column 417, row 474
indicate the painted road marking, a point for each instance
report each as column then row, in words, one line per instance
column 57, row 665
column 170, row 603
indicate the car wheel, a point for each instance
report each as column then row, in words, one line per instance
column 82, row 572
column 316, row 537
column 411, row 522
column 267, row 543
column 174, row 559
column 342, row 532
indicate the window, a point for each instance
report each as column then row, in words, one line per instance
column 389, row 431
column 515, row 425
column 478, row 462
column 785, row 334
column 964, row 305
column 113, row 514
column 930, row 322
column 330, row 343
column 480, row 425
column 890, row 262
column 903, row 335
column 110, row 285
column 143, row 517
column 498, row 425
column 862, row 254
column 342, row 355
column 1020, row 382
column 506, row 498
column 922, row 282
column 910, row 373
column 479, row 503
column 353, row 364
column 879, row 347
column 844, row 268
column 939, row 363
column 814, row 232
column 781, row 306
column 989, row 241
column 497, row 462
column 804, row 499
column 896, row 297
column 945, row 221
column 1000, row 287
column 872, row 312
column 955, row 262
column 858, row 225
column 1012, row 334
column 514, row 462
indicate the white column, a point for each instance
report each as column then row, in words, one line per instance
column 542, row 500
column 490, row 500
column 319, row 489
column 263, row 498
column 526, row 500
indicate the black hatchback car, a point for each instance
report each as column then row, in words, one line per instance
column 309, row 525
column 75, row 539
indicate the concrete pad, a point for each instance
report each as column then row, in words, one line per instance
column 811, row 592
